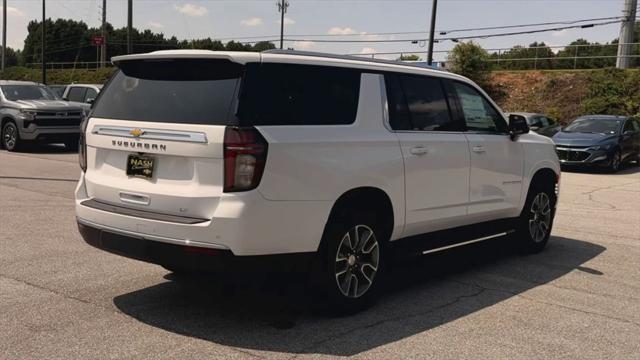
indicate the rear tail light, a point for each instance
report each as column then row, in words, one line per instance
column 245, row 154
column 82, row 146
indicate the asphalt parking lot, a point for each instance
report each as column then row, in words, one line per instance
column 579, row 299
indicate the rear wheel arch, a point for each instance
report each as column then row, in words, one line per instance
column 364, row 198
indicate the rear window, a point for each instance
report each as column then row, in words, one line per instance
column 291, row 94
column 189, row 91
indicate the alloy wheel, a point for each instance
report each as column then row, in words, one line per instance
column 9, row 136
column 357, row 261
column 540, row 218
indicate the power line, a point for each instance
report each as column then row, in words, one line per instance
column 565, row 22
column 485, row 36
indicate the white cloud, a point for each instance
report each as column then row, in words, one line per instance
column 341, row 31
column 12, row 11
column 561, row 33
column 155, row 25
column 367, row 50
column 303, row 45
column 192, row 10
column 254, row 21
column 287, row 21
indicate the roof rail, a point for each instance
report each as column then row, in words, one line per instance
column 347, row 57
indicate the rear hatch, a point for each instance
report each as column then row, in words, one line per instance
column 155, row 135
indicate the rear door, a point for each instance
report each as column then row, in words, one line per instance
column 155, row 135
column 435, row 153
column 496, row 161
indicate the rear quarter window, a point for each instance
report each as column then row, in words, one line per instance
column 292, row 94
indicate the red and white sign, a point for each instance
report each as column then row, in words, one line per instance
column 97, row 40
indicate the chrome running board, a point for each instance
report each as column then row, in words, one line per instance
column 466, row 242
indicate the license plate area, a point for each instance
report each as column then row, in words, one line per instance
column 140, row 166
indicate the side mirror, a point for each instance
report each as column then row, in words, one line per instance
column 90, row 100
column 517, row 125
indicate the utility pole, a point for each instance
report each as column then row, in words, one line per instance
column 626, row 34
column 434, row 8
column 129, row 26
column 282, row 8
column 4, row 32
column 44, row 43
column 103, row 48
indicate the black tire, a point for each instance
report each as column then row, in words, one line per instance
column 616, row 162
column 341, row 261
column 10, row 136
column 536, row 220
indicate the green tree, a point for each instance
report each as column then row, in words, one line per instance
column 70, row 41
column 614, row 92
column 263, row 45
column 12, row 57
column 470, row 60
column 582, row 54
column 512, row 58
column 412, row 57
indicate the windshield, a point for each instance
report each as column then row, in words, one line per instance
column 28, row 92
column 598, row 126
column 58, row 89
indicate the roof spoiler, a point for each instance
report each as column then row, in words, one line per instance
column 237, row 57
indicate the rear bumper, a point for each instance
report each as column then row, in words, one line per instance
column 191, row 257
column 246, row 224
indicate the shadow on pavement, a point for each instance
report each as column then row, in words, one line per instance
column 36, row 148
column 420, row 294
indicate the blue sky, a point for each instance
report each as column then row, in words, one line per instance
column 237, row 18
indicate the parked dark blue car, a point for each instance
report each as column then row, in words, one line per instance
column 599, row 140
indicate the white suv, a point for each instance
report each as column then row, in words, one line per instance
column 214, row 160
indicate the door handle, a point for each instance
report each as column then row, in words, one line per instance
column 419, row 150
column 478, row 149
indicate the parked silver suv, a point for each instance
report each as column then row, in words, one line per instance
column 32, row 112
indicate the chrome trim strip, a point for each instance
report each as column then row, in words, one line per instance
column 163, row 239
column 572, row 149
column 465, row 243
column 151, row 134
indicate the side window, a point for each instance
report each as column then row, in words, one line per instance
column 545, row 121
column 478, row 113
column 537, row 121
column 628, row 126
column 551, row 121
column 91, row 94
column 399, row 117
column 288, row 94
column 636, row 125
column 426, row 103
column 76, row 94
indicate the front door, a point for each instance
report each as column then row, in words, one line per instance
column 495, row 181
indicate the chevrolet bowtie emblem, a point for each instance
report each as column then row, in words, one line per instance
column 136, row 132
